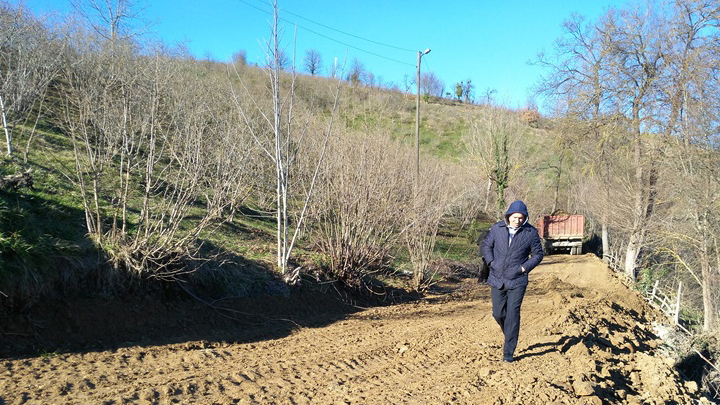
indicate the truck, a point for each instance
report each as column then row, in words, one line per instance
column 561, row 233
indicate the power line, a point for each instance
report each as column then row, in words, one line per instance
column 255, row 7
column 337, row 30
column 351, row 46
column 349, row 34
column 333, row 39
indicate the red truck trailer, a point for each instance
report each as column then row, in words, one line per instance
column 561, row 233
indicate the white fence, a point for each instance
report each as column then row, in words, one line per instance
column 662, row 300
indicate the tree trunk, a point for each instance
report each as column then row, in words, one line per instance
column 705, row 249
column 631, row 254
column 642, row 209
column 5, row 126
column 558, row 176
column 501, row 197
column 487, row 194
column 280, row 159
column 717, row 268
column 708, row 310
column 605, row 242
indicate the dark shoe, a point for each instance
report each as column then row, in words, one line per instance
column 507, row 359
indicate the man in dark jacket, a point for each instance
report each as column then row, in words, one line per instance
column 512, row 249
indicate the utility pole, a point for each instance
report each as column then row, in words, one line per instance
column 417, row 122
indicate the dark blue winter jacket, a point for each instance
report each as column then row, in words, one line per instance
column 507, row 259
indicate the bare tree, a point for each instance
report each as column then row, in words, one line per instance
column 370, row 79
column 692, row 242
column 113, row 19
column 467, row 90
column 333, row 70
column 30, row 59
column 240, row 58
column 689, row 127
column 282, row 60
column 280, row 136
column 431, row 85
column 492, row 144
column 312, row 61
column 357, row 72
column 488, row 96
column 430, row 203
column 145, row 131
column 641, row 84
column 577, row 78
column 358, row 211
column 407, row 84
column 638, row 57
column 615, row 65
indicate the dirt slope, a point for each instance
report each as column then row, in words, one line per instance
column 585, row 339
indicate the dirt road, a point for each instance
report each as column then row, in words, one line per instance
column 585, row 339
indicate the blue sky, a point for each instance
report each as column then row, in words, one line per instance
column 489, row 42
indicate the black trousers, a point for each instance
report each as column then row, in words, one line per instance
column 506, row 311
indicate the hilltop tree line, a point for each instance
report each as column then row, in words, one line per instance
column 431, row 86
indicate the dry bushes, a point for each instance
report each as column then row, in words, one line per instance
column 530, row 117
column 360, row 206
column 157, row 157
column 368, row 207
column 431, row 202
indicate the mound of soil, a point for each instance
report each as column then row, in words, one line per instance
column 585, row 339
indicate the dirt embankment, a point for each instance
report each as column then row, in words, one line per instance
column 585, row 339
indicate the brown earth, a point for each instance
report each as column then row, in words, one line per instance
column 585, row 339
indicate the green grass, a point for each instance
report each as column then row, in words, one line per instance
column 457, row 241
column 442, row 127
column 45, row 226
column 249, row 237
column 48, row 355
column 452, row 248
column 37, row 235
column 44, row 245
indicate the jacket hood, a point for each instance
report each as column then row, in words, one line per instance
column 517, row 207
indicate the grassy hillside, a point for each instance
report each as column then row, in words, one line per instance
column 45, row 246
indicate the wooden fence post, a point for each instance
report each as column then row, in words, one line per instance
column 652, row 296
column 677, row 305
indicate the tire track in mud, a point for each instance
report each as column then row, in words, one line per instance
column 435, row 351
column 333, row 365
column 363, row 367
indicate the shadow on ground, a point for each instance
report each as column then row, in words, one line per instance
column 177, row 315
column 94, row 323
column 69, row 305
column 83, row 311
